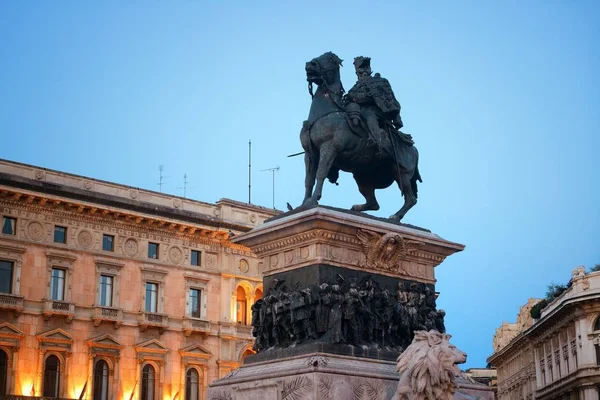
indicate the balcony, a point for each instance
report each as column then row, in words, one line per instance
column 107, row 314
column 195, row 325
column 244, row 331
column 11, row 302
column 153, row 320
column 59, row 308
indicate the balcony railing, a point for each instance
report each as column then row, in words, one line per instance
column 21, row 397
column 195, row 325
column 108, row 314
column 243, row 330
column 11, row 302
column 59, row 307
column 149, row 319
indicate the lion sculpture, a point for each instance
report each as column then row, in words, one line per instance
column 428, row 367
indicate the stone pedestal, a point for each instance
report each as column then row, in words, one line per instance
column 304, row 249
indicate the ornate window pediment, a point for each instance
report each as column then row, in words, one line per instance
column 10, row 335
column 195, row 351
column 104, row 341
column 151, row 348
column 56, row 336
column 104, row 345
column 56, row 339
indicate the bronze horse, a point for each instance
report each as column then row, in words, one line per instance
column 331, row 145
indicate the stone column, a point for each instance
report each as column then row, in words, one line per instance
column 588, row 392
column 536, row 364
column 249, row 302
column 586, row 353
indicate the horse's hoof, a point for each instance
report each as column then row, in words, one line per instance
column 310, row 202
column 395, row 218
column 357, row 207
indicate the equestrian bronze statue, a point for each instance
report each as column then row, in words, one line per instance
column 357, row 132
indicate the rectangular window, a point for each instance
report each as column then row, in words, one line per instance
column 153, row 250
column 9, row 225
column 6, row 271
column 106, row 290
column 195, row 258
column 151, row 297
column 195, row 303
column 597, row 354
column 108, row 243
column 60, row 234
column 57, row 284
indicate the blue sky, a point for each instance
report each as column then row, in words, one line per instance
column 501, row 98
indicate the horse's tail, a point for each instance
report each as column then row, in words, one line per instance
column 413, row 181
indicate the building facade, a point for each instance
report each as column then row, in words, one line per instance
column 115, row 292
column 558, row 355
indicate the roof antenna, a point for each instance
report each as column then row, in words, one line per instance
column 249, row 171
column 273, row 170
column 185, row 185
column 160, row 179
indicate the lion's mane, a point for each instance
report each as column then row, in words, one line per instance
column 428, row 367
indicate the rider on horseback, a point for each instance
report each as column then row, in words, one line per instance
column 372, row 99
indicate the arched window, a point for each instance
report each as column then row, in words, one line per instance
column 148, row 379
column 192, row 385
column 51, row 377
column 247, row 353
column 3, row 372
column 597, row 324
column 257, row 295
column 241, row 306
column 101, row 380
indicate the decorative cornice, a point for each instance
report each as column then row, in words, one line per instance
column 305, row 237
column 120, row 218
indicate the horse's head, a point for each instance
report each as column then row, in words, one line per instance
column 325, row 68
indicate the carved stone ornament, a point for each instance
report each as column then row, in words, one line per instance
column 36, row 231
column 385, row 251
column 243, row 266
column 175, row 255
column 39, row 175
column 428, row 367
column 317, row 361
column 85, row 239
column 131, row 247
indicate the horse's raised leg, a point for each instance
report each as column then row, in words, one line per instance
column 368, row 191
column 311, row 172
column 409, row 197
column 327, row 156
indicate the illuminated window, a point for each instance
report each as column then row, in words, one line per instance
column 247, row 353
column 9, row 226
column 148, row 379
column 241, row 306
column 3, row 372
column 51, row 377
column 192, row 385
column 6, row 276
column 60, row 234
column 258, row 295
column 101, row 380
column 57, row 284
